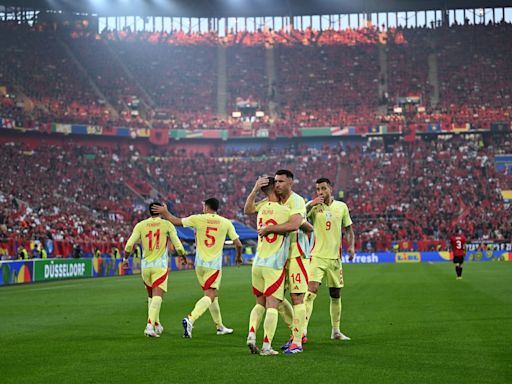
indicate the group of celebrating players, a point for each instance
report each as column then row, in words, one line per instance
column 299, row 245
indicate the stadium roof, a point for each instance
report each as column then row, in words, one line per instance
column 245, row 8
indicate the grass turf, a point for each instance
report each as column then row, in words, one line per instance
column 409, row 323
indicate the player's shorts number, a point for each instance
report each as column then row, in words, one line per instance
column 270, row 237
column 149, row 235
column 210, row 240
column 296, row 278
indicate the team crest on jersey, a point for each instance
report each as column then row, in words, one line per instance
column 328, row 215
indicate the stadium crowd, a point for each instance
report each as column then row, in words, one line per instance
column 92, row 194
column 316, row 78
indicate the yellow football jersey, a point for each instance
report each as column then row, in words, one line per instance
column 299, row 243
column 272, row 250
column 211, row 231
column 328, row 220
column 153, row 233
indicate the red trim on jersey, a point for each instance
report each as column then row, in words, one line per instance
column 302, row 268
column 252, row 330
column 160, row 280
column 256, row 292
column 274, row 287
column 211, row 280
column 314, row 243
column 298, row 245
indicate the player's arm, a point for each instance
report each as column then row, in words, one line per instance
column 176, row 242
column 164, row 212
column 307, row 227
column 134, row 237
column 310, row 204
column 238, row 248
column 293, row 223
column 236, row 241
column 349, row 233
column 250, row 202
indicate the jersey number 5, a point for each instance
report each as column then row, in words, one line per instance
column 149, row 235
column 210, row 241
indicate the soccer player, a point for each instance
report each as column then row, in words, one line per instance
column 211, row 231
column 268, row 269
column 458, row 245
column 297, row 274
column 329, row 218
column 153, row 233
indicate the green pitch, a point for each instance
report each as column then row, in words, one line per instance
column 408, row 323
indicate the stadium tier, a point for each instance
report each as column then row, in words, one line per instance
column 408, row 196
column 333, row 78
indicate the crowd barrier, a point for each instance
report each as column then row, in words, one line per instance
column 26, row 271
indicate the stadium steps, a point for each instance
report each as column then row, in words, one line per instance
column 383, row 74
column 433, row 79
column 93, row 85
column 270, row 68
column 147, row 101
column 222, row 80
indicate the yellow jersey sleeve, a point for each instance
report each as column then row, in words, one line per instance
column 231, row 231
column 134, row 238
column 191, row 221
column 346, row 220
column 296, row 205
column 175, row 240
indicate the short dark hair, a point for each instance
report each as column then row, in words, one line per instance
column 323, row 180
column 285, row 172
column 154, row 204
column 269, row 186
column 212, row 203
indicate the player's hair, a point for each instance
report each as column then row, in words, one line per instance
column 285, row 172
column 212, row 203
column 324, row 180
column 154, row 204
column 267, row 188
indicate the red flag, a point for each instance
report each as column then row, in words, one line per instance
column 159, row 136
column 410, row 133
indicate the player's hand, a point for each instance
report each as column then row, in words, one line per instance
column 260, row 183
column 317, row 200
column 184, row 260
column 238, row 261
column 351, row 253
column 264, row 230
column 160, row 209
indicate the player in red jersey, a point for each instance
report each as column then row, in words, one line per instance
column 458, row 244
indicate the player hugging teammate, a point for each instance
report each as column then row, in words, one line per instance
column 300, row 275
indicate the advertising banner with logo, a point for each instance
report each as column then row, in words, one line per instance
column 16, row 272
column 58, row 269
